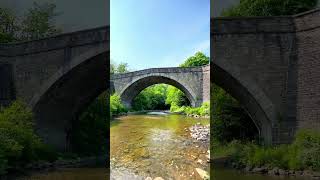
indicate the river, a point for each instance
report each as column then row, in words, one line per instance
column 153, row 145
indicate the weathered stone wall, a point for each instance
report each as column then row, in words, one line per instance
column 58, row 77
column 206, row 83
column 308, row 75
column 275, row 63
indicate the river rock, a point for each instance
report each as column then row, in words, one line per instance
column 261, row 170
column 148, row 178
column 202, row 173
column 274, row 172
column 200, row 133
column 158, row 178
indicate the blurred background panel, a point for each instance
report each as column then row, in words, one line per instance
column 75, row 14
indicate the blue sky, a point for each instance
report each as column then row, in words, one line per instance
column 158, row 33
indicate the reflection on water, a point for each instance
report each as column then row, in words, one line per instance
column 156, row 146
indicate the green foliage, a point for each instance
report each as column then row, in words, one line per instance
column 199, row 59
column 302, row 154
column 37, row 23
column 118, row 68
column 8, row 26
column 90, row 132
column 18, row 141
column 203, row 110
column 230, row 121
column 116, row 106
column 151, row 98
column 270, row 7
column 175, row 97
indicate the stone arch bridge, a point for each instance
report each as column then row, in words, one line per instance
column 270, row 64
column 58, row 77
column 194, row 82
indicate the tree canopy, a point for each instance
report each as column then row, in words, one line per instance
column 199, row 59
column 269, row 7
column 37, row 23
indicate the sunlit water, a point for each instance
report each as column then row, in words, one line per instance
column 156, row 145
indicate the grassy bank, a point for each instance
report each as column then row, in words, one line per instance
column 302, row 154
column 203, row 110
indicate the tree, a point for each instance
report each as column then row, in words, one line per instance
column 151, row 98
column 39, row 22
column 122, row 68
column 176, row 97
column 270, row 7
column 8, row 26
column 199, row 59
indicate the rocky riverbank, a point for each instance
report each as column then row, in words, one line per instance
column 282, row 172
column 200, row 132
column 269, row 171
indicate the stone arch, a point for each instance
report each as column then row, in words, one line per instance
column 258, row 106
column 131, row 90
column 67, row 93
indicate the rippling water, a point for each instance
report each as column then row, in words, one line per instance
column 157, row 146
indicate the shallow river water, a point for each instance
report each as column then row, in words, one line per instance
column 153, row 145
column 156, row 145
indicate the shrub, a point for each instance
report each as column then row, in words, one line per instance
column 18, row 141
column 203, row 110
column 116, row 106
column 303, row 153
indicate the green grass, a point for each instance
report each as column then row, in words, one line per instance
column 303, row 153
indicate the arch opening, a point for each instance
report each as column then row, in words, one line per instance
column 246, row 99
column 130, row 92
column 60, row 106
column 159, row 97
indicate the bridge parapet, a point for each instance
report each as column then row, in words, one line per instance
column 79, row 38
column 157, row 70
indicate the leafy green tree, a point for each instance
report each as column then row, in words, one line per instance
column 270, row 7
column 39, row 22
column 175, row 97
column 8, row 26
column 118, row 68
column 19, row 143
column 122, row 68
column 116, row 106
column 199, row 59
column 151, row 98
